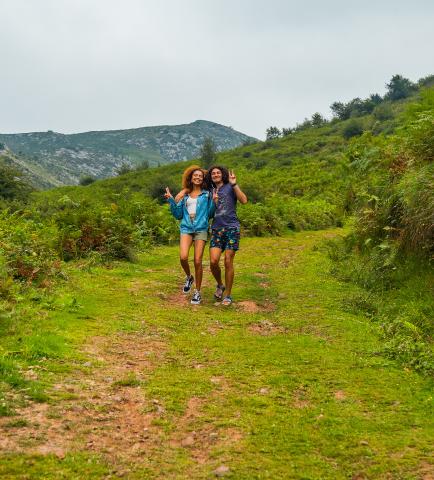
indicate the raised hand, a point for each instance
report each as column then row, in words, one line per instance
column 215, row 194
column 232, row 177
column 168, row 195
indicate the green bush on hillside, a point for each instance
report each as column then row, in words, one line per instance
column 113, row 227
column 395, row 183
column 352, row 129
column 13, row 184
column 259, row 220
column 304, row 214
column 396, row 293
column 27, row 250
column 391, row 250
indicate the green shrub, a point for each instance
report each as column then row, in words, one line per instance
column 27, row 251
column 86, row 180
column 304, row 214
column 259, row 220
column 383, row 112
column 396, row 293
column 352, row 129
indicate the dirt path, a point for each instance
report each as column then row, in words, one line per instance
column 101, row 407
column 278, row 386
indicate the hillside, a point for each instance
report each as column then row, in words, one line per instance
column 321, row 368
column 304, row 176
column 53, row 159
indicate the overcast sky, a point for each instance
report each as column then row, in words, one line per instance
column 79, row 65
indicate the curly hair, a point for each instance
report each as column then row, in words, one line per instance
column 188, row 173
column 225, row 175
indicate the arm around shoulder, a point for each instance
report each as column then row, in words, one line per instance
column 180, row 195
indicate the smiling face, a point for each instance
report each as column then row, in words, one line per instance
column 216, row 176
column 197, row 178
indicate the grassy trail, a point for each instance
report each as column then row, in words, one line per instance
column 285, row 384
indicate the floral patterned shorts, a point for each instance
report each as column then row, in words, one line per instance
column 225, row 238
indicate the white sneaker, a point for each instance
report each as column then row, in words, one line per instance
column 188, row 283
column 196, row 298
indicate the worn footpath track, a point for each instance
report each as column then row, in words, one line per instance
column 286, row 383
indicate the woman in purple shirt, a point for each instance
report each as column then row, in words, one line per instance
column 225, row 236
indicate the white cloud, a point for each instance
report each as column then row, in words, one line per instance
column 76, row 65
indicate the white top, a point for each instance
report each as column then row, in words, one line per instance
column 191, row 206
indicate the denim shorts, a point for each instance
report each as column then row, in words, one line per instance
column 198, row 235
column 225, row 238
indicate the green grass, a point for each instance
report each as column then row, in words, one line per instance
column 36, row 467
column 311, row 399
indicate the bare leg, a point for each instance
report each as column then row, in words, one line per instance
column 214, row 259
column 199, row 246
column 185, row 242
column 229, row 270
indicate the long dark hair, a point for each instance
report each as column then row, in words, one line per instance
column 225, row 175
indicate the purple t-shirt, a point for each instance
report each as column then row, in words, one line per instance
column 225, row 214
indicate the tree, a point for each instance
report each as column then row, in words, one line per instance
column 304, row 125
column 318, row 120
column 340, row 110
column 124, row 168
column 426, row 81
column 158, row 187
column 355, row 107
column 143, row 165
column 86, row 180
column 287, row 131
column 383, row 112
column 273, row 133
column 13, row 185
column 375, row 98
column 399, row 87
column 352, row 129
column 208, row 153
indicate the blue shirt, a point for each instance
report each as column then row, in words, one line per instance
column 205, row 209
column 225, row 214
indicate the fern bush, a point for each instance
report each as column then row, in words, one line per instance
column 304, row 214
column 114, row 228
column 390, row 253
column 395, row 176
column 260, row 220
column 27, row 252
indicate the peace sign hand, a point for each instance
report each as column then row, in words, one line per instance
column 215, row 194
column 232, row 177
column 168, row 195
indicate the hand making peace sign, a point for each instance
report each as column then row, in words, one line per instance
column 168, row 195
column 232, row 177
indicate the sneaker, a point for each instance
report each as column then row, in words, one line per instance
column 196, row 298
column 227, row 301
column 218, row 295
column 188, row 283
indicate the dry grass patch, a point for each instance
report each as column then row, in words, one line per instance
column 249, row 306
column 265, row 328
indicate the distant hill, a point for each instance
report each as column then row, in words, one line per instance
column 53, row 159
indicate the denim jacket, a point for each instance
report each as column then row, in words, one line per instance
column 205, row 210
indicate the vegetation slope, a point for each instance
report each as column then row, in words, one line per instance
column 370, row 171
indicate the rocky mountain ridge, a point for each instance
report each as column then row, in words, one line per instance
column 54, row 159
